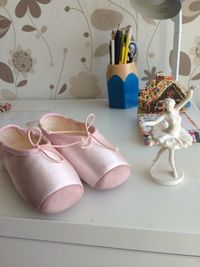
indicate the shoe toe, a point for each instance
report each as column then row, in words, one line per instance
column 113, row 178
column 61, row 199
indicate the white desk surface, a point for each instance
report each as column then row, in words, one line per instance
column 139, row 215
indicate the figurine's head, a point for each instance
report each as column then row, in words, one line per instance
column 169, row 103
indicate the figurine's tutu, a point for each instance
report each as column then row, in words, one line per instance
column 40, row 174
column 180, row 140
column 96, row 161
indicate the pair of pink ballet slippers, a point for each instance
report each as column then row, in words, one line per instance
column 46, row 164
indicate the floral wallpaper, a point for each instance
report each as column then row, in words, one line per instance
column 59, row 49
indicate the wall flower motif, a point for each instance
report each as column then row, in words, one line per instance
column 191, row 10
column 195, row 51
column 185, row 63
column 63, row 88
column 3, row 3
column 84, row 86
column 50, row 27
column 22, row 61
column 4, row 25
column 85, row 34
column 32, row 9
column 105, row 19
column 32, row 5
column 150, row 75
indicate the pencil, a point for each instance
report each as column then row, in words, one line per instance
column 123, row 53
column 113, row 48
column 121, row 45
column 128, row 38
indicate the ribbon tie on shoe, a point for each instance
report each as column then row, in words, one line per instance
column 86, row 141
column 85, row 144
column 44, row 149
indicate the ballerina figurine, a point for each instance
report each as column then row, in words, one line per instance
column 167, row 130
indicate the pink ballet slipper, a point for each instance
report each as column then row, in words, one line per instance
column 96, row 161
column 38, row 171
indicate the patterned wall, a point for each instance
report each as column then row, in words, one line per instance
column 59, row 49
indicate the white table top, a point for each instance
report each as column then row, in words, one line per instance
column 138, row 215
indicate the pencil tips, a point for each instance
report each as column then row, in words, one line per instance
column 122, row 47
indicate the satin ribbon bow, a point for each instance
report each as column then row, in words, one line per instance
column 85, row 141
column 43, row 148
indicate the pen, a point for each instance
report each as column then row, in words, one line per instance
column 117, row 45
column 110, row 51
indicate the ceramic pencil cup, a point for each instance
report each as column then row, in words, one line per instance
column 122, row 83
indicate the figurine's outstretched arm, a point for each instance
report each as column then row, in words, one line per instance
column 187, row 99
column 152, row 123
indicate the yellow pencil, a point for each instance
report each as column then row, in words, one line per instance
column 128, row 38
column 123, row 53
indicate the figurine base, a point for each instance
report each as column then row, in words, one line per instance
column 163, row 175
